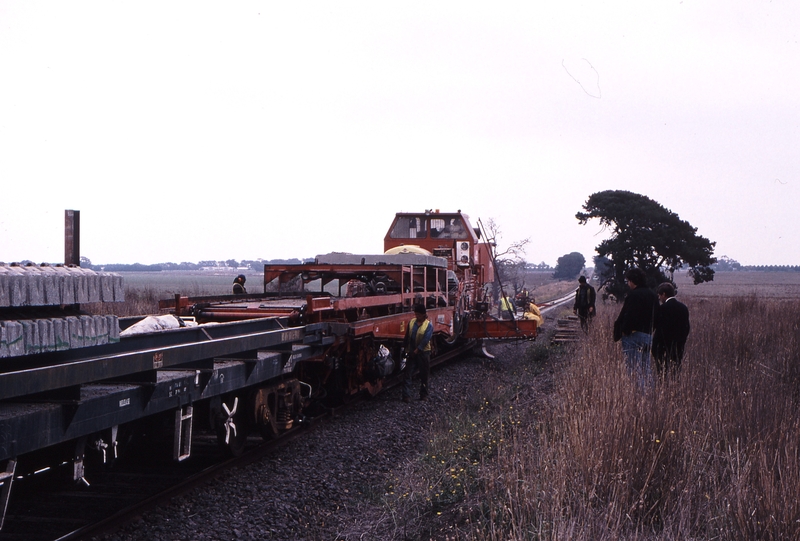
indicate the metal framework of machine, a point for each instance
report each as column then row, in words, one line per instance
column 248, row 362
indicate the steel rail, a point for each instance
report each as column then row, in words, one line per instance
column 552, row 305
column 195, row 480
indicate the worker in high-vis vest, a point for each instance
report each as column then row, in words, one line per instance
column 418, row 347
column 506, row 307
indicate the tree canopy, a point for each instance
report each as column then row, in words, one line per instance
column 648, row 236
column 569, row 266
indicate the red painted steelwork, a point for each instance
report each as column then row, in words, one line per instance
column 500, row 328
column 395, row 326
column 435, row 258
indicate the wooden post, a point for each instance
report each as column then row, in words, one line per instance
column 72, row 237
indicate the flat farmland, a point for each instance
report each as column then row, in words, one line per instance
column 761, row 284
column 143, row 290
column 191, row 283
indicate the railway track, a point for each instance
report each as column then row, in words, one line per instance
column 182, row 485
column 49, row 506
column 567, row 329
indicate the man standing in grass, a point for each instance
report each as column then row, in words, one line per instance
column 671, row 330
column 634, row 325
column 583, row 307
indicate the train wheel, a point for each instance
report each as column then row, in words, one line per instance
column 232, row 426
column 277, row 409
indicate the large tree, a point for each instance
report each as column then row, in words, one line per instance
column 569, row 266
column 648, row 236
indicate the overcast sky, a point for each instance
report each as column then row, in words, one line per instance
column 186, row 131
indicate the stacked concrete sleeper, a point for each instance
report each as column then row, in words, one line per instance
column 28, row 286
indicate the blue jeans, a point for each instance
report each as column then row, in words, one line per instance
column 636, row 348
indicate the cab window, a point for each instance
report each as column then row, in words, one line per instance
column 414, row 227
column 448, row 228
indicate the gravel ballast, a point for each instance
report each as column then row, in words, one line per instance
column 322, row 486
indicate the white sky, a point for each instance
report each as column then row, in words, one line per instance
column 185, row 131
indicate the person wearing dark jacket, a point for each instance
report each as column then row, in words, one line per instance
column 585, row 297
column 238, row 285
column 671, row 329
column 634, row 325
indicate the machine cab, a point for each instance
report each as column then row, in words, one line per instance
column 443, row 234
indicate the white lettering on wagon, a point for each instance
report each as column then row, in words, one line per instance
column 293, row 358
column 291, row 336
column 289, row 366
column 124, row 402
column 176, row 389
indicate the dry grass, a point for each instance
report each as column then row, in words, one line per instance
column 710, row 454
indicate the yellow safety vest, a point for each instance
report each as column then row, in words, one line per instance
column 420, row 333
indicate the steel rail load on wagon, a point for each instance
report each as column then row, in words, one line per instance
column 71, row 384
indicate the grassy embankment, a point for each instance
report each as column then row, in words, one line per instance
column 712, row 454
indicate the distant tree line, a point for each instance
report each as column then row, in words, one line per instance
column 773, row 268
column 726, row 264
